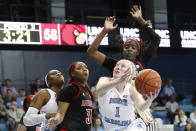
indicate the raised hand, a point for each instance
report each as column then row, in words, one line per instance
column 126, row 76
column 109, row 24
column 136, row 12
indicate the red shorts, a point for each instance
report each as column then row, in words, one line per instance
column 63, row 130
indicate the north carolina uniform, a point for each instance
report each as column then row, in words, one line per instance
column 118, row 112
column 50, row 107
column 152, row 40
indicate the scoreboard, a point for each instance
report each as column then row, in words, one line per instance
column 70, row 34
column 20, row 33
column 42, row 33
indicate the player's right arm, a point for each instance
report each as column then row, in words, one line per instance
column 92, row 51
column 32, row 117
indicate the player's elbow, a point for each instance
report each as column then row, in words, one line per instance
column 27, row 121
column 90, row 52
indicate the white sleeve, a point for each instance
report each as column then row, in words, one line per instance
column 32, row 117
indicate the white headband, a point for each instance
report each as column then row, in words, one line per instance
column 46, row 80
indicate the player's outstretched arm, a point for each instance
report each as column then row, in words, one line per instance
column 32, row 116
column 92, row 51
column 136, row 13
column 54, row 121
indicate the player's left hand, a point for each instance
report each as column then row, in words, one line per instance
column 136, row 12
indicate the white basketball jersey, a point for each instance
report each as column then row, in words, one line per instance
column 116, row 109
column 50, row 107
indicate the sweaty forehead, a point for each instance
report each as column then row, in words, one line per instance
column 80, row 64
column 130, row 42
column 124, row 62
column 52, row 71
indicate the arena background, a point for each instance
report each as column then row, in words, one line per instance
column 24, row 63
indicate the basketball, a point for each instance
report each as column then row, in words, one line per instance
column 147, row 81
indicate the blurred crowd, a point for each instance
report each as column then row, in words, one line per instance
column 11, row 103
column 169, row 106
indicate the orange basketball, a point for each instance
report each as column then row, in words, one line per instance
column 147, row 81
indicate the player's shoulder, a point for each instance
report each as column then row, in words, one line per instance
column 43, row 93
column 71, row 86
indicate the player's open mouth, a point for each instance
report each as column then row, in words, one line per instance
column 116, row 72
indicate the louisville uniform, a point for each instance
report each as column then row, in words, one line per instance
column 79, row 114
column 152, row 41
column 118, row 112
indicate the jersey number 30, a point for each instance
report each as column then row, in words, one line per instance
column 89, row 114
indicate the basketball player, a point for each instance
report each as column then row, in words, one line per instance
column 75, row 102
column 26, row 104
column 45, row 101
column 117, row 98
column 136, row 51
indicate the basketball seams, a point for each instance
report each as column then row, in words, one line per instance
column 139, row 89
column 146, row 92
column 142, row 82
column 152, row 79
column 150, row 85
column 146, row 75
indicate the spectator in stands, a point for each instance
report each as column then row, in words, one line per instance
column 180, row 121
column 21, row 126
column 9, row 98
column 189, row 127
column 165, row 93
column 168, row 90
column 9, row 86
column 21, row 97
column 193, row 119
column 2, row 109
column 36, row 86
column 171, row 108
column 14, row 116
